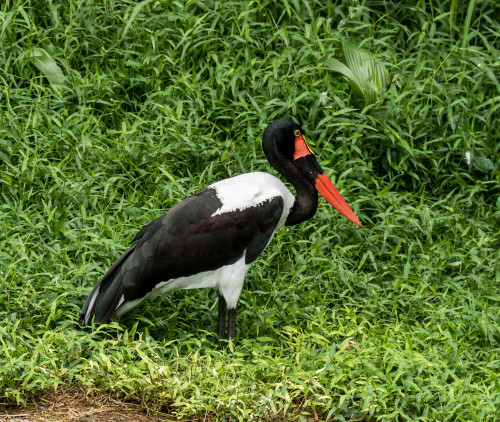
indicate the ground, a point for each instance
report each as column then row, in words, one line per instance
column 77, row 406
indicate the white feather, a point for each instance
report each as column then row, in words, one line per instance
column 91, row 305
column 251, row 189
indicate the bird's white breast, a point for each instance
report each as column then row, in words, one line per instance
column 251, row 189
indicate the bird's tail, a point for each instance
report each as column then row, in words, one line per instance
column 105, row 297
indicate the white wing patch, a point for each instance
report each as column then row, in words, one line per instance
column 251, row 189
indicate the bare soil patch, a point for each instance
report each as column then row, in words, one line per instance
column 77, row 406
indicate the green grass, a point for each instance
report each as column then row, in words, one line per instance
column 111, row 112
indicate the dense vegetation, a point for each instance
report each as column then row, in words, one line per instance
column 113, row 111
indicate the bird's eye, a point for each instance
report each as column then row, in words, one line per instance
column 297, row 133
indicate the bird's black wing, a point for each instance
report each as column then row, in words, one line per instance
column 189, row 240
column 186, row 241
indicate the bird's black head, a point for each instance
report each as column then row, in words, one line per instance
column 279, row 139
column 287, row 151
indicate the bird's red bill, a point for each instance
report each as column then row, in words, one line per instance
column 303, row 157
column 326, row 188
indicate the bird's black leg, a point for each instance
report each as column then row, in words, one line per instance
column 231, row 322
column 221, row 318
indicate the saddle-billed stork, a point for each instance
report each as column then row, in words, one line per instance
column 212, row 238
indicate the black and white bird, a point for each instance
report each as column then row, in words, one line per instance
column 212, row 238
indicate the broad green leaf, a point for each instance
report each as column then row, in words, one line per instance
column 372, row 76
column 482, row 164
column 367, row 77
column 47, row 65
column 341, row 68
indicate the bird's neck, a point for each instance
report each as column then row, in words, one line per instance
column 306, row 201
